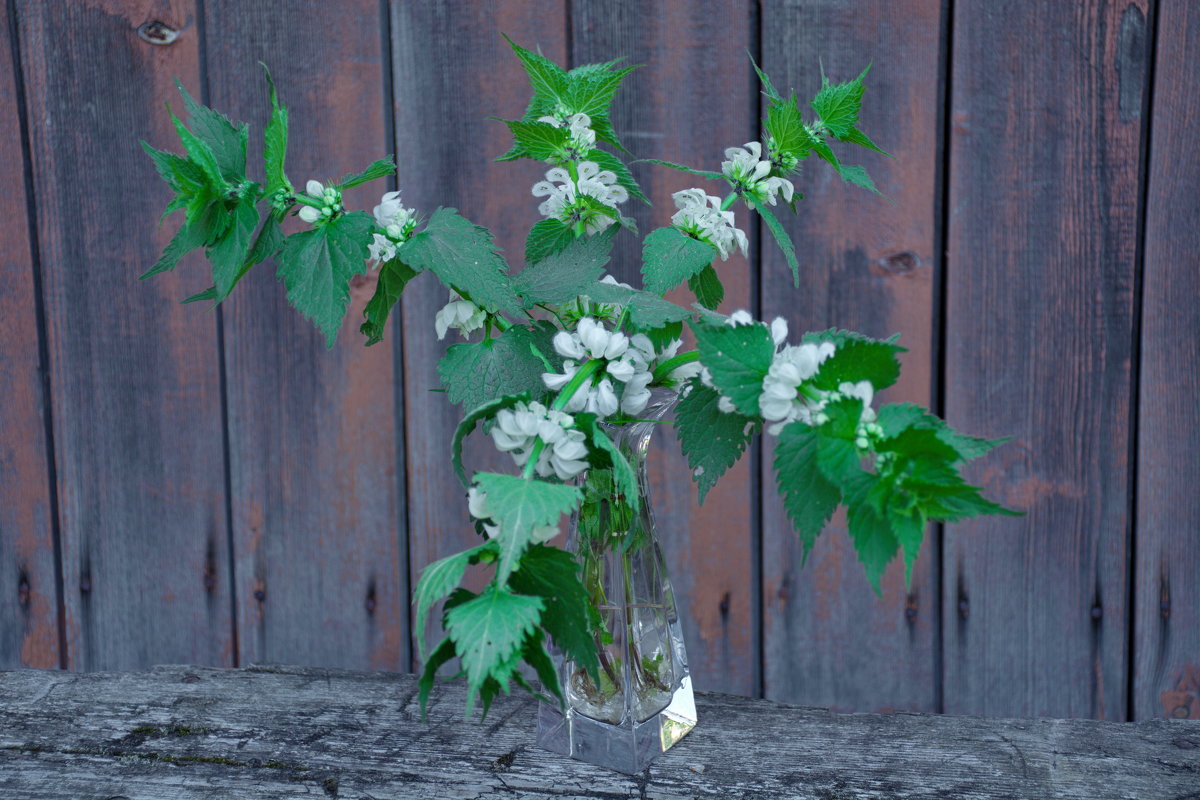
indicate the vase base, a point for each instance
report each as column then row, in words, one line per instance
column 627, row 747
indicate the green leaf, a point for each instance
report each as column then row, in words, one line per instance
column 548, row 79
column 394, row 275
column 437, row 581
column 838, row 105
column 768, row 88
column 546, row 238
column 487, row 630
column 464, row 429
column 477, row 373
column 670, row 257
column 275, row 139
column 786, row 127
column 463, row 257
column 822, row 149
column 266, row 244
column 624, row 476
column 897, row 417
column 519, row 506
column 808, row 496
column 553, row 574
column 316, row 267
column 855, row 136
column 591, row 91
column 539, row 140
column 226, row 141
column 782, row 239
column 707, row 287
column 443, row 653
column 183, row 176
column 615, row 165
column 860, row 359
column 908, row 526
column 186, row 239
column 838, row 458
column 738, row 357
column 231, row 253
column 646, row 311
column 565, row 275
column 711, row 440
column 203, row 157
column 208, row 294
column 716, row 176
column 858, row 176
column 378, row 169
column 535, row 655
column 873, row 539
column 605, row 133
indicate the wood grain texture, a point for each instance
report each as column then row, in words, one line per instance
column 1166, row 677
column 277, row 732
column 28, row 597
column 687, row 102
column 136, row 405
column 869, row 265
column 1043, row 196
column 451, row 70
column 316, row 472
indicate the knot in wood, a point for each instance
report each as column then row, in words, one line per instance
column 157, row 33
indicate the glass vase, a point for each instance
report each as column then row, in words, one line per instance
column 643, row 703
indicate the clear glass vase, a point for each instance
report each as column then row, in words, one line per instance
column 643, row 703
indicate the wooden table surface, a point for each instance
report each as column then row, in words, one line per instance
column 286, row 732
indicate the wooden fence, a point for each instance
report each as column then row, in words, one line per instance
column 179, row 485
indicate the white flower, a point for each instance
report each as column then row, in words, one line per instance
column 564, row 450
column 381, row 249
column 781, row 400
column 626, row 361
column 310, row 214
column 583, row 138
column 315, row 189
column 701, row 216
column 461, row 314
column 746, row 169
column 740, row 317
column 331, row 203
column 563, row 195
column 779, row 331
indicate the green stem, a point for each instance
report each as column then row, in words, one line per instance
column 305, row 200
column 809, row 392
column 671, row 364
column 728, row 201
column 502, row 324
column 584, row 375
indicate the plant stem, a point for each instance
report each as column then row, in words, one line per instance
column 584, row 374
column 671, row 364
column 501, row 323
column 728, row 201
column 305, row 200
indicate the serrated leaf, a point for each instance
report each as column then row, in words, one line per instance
column 443, row 653
column 437, row 581
column 591, row 91
column 711, row 441
column 476, row 373
column 547, row 78
column 231, row 253
column 184, row 177
column 552, row 574
column 316, row 267
column 874, row 542
column 603, row 128
column 535, row 655
column 896, row 417
column 464, row 257
column 378, row 169
column 394, row 275
column 838, row 105
column 838, row 458
column 852, row 173
column 782, row 239
column 738, row 357
column 624, row 476
column 539, row 140
column 186, row 239
column 616, row 166
column 857, row 360
column 909, row 529
column 670, row 257
column 808, row 496
column 519, row 506
column 226, row 140
column 646, row 311
column 275, row 139
column 487, row 630
column 855, row 136
column 200, row 154
column 565, row 275
column 266, row 244
column 768, row 87
column 208, row 294
column 786, row 127
column 716, row 176
column 707, row 287
column 464, row 429
column 822, row 149
column 546, row 238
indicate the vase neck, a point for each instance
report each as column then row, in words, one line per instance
column 633, row 438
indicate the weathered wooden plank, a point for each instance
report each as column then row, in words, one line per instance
column 686, row 104
column 869, row 265
column 1042, row 219
column 136, row 403
column 28, row 597
column 316, row 482
column 1167, row 594
column 194, row 732
column 451, row 70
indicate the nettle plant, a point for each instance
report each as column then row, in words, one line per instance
column 560, row 355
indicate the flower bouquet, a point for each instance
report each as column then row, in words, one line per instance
column 569, row 372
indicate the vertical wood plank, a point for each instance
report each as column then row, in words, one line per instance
column 451, row 70
column 1043, row 195
column 1167, row 592
column 316, row 487
column 691, row 98
column 869, row 265
column 136, row 405
column 28, row 597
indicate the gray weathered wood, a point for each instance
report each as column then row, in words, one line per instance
column 28, row 598
column 1166, row 669
column 711, row 550
column 1041, row 248
column 176, row 733
column 316, row 473
column 136, row 385
column 869, row 265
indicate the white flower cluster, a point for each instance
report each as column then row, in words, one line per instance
column 564, row 195
column 461, row 314
column 749, row 172
column 583, row 138
column 397, row 223
column 477, row 506
column 628, row 360
column 563, row 451
column 331, row 199
column 700, row 215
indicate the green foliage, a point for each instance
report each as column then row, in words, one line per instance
column 738, row 357
column 394, row 275
column 608, row 161
column 808, row 496
column 603, row 453
column 711, row 440
column 467, row 426
column 476, row 373
column 519, row 506
column 564, row 275
column 441, row 578
column 787, row 130
column 857, row 358
column 463, row 256
column 553, row 575
column 703, row 173
column 226, row 141
column 670, row 257
column 275, row 139
column 377, row 169
column 707, row 287
column 782, row 239
column 838, row 105
column 488, row 632
column 647, row 311
column 547, row 237
column 186, row 239
column 539, row 140
column 898, row 417
column 230, row 254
